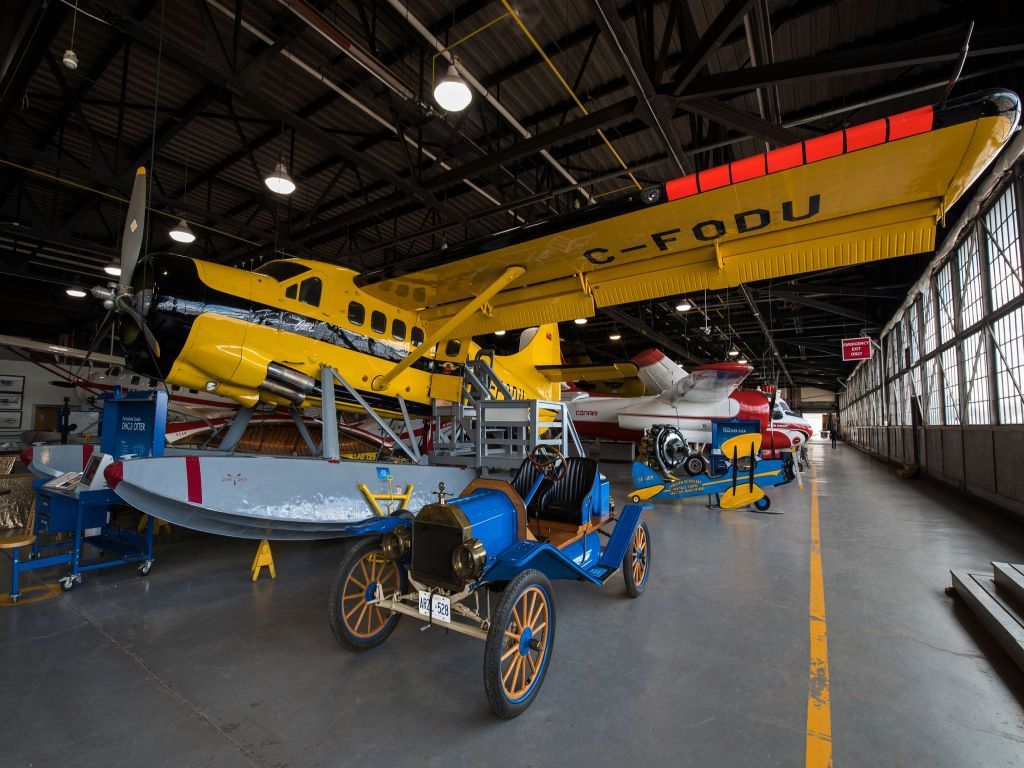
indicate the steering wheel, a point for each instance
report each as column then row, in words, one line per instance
column 548, row 460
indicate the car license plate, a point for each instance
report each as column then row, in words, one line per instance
column 440, row 606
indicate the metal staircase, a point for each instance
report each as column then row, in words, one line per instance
column 491, row 430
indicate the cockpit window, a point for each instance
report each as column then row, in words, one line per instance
column 281, row 270
column 451, row 349
column 309, row 291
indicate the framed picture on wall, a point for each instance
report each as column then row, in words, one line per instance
column 10, row 420
column 12, row 383
column 10, row 401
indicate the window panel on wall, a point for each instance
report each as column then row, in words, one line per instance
column 1009, row 336
column 913, row 332
column 928, row 309
column 945, row 302
column 977, row 379
column 972, row 298
column 951, row 386
column 934, row 392
column 1004, row 248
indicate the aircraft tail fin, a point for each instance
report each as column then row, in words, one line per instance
column 539, row 346
column 657, row 372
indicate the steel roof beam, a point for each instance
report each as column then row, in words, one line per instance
column 748, row 295
column 647, row 332
column 727, row 20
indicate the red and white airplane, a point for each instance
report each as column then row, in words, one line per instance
column 688, row 401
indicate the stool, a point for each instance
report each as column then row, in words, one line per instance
column 15, row 540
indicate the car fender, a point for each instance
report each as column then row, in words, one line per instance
column 539, row 556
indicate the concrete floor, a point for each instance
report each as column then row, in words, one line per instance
column 197, row 666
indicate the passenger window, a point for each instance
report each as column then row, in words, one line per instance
column 356, row 313
column 293, row 291
column 378, row 322
column 417, row 336
column 309, row 291
column 175, row 388
column 451, row 349
column 134, row 380
column 398, row 330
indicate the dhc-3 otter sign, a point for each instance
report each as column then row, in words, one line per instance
column 712, row 229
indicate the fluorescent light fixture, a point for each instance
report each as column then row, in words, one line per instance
column 684, row 305
column 113, row 270
column 580, row 321
column 181, row 233
column 279, row 181
column 77, row 293
column 499, row 333
column 451, row 92
column 615, row 336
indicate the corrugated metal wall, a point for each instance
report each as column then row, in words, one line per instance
column 945, row 388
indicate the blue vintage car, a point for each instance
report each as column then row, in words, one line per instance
column 498, row 541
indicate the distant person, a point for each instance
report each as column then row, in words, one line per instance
column 832, row 434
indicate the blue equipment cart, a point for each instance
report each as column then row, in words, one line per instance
column 77, row 504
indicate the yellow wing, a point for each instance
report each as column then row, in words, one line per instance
column 870, row 192
column 613, row 372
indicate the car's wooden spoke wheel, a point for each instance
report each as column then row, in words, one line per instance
column 361, row 618
column 639, row 550
column 357, row 623
column 636, row 564
column 520, row 642
column 525, row 643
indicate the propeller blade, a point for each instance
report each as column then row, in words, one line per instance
column 100, row 333
column 151, row 342
column 134, row 228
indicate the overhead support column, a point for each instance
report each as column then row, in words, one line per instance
column 380, row 383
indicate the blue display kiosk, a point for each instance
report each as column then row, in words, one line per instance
column 77, row 504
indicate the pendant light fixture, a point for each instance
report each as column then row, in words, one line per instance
column 499, row 333
column 615, row 336
column 452, row 93
column 113, row 270
column 580, row 321
column 182, row 233
column 70, row 58
column 684, row 305
column 75, row 292
column 279, row 182
column 733, row 352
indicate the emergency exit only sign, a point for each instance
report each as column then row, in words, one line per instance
column 856, row 349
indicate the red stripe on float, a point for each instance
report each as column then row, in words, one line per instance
column 785, row 157
column 824, row 147
column 867, row 135
column 683, row 187
column 193, row 479
column 911, row 123
column 714, row 178
column 87, row 449
column 748, row 168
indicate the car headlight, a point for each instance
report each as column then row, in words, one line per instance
column 396, row 544
column 468, row 559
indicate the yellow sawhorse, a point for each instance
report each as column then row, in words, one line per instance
column 263, row 559
column 158, row 525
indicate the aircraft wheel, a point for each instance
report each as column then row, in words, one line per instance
column 357, row 625
column 694, row 464
column 762, row 504
column 519, row 644
column 635, row 499
column 636, row 564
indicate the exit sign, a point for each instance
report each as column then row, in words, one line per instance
column 856, row 349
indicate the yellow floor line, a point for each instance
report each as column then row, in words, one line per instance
column 819, row 709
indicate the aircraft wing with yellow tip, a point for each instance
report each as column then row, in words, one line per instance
column 869, row 192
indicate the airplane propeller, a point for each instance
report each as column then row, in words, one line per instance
column 119, row 298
